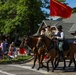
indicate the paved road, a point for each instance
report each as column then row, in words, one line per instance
column 25, row 69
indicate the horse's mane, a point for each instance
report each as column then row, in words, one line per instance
column 47, row 41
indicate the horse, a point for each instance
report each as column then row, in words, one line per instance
column 68, row 52
column 51, row 52
column 39, row 52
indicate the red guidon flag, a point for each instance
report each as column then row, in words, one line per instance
column 59, row 9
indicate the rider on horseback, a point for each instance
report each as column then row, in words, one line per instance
column 48, row 32
column 60, row 37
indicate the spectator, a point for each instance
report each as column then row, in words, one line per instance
column 2, row 48
column 1, row 54
column 12, row 51
column 22, row 47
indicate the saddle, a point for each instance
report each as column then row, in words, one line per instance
column 65, row 46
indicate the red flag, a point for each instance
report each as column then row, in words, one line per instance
column 59, row 9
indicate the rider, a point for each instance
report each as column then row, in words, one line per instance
column 48, row 32
column 60, row 37
column 42, row 32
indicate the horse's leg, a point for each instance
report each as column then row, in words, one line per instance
column 57, row 62
column 71, row 59
column 48, row 63
column 35, row 59
column 48, row 66
column 74, row 64
column 70, row 63
column 52, row 65
column 39, row 62
column 64, row 63
column 41, row 59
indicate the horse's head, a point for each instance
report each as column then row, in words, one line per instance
column 44, row 40
column 31, row 41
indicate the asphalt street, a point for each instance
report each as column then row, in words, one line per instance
column 25, row 69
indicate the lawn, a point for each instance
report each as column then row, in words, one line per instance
column 15, row 60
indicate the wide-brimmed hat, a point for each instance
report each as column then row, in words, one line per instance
column 59, row 27
column 47, row 26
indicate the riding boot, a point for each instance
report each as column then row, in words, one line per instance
column 61, row 54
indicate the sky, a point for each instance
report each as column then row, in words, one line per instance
column 72, row 3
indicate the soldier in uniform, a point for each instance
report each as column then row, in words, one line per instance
column 48, row 32
column 60, row 37
column 42, row 31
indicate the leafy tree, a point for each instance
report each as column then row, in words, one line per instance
column 74, row 10
column 61, row 0
column 21, row 16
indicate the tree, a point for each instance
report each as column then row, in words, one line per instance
column 74, row 10
column 21, row 16
column 62, row 0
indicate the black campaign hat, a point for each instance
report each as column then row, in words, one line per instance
column 59, row 27
column 47, row 26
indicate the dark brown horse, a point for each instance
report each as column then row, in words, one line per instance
column 38, row 50
column 52, row 53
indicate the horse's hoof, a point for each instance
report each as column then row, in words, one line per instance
column 32, row 67
column 63, row 68
column 47, row 70
column 38, row 68
column 52, row 70
column 74, row 69
column 69, row 66
column 41, row 67
column 55, row 66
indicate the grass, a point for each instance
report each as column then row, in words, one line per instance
column 19, row 59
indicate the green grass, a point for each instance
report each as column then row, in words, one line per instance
column 19, row 59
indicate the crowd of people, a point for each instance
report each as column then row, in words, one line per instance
column 10, row 49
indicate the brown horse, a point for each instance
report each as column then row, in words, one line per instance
column 38, row 51
column 52, row 53
column 68, row 54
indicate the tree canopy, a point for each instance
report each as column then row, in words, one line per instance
column 21, row 16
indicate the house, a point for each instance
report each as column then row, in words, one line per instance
column 69, row 26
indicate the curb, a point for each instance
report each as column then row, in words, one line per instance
column 26, row 61
column 29, row 59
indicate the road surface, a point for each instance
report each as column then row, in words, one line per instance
column 25, row 69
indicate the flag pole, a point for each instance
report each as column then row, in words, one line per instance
column 50, row 12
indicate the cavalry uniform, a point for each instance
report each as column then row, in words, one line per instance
column 49, row 34
column 60, row 38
